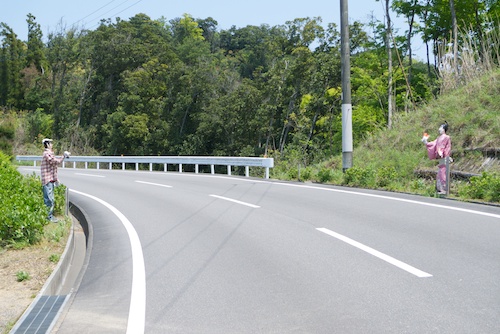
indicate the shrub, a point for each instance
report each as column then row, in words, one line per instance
column 6, row 136
column 485, row 187
column 359, row 177
column 324, row 175
column 22, row 276
column 292, row 173
column 385, row 176
column 23, row 214
column 60, row 197
column 305, row 173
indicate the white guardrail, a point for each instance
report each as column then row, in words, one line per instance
column 163, row 160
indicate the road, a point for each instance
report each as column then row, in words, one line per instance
column 185, row 253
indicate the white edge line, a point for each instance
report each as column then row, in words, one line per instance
column 154, row 184
column 382, row 256
column 137, row 310
column 91, row 175
column 236, row 201
column 440, row 206
column 481, row 213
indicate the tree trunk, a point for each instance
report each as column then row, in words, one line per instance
column 480, row 34
column 82, row 97
column 425, row 15
column 411, row 22
column 286, row 125
column 389, row 57
column 455, row 36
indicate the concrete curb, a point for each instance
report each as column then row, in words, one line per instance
column 67, row 275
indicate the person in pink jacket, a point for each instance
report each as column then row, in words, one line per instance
column 439, row 149
column 48, row 171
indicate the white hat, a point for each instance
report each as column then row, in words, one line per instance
column 46, row 140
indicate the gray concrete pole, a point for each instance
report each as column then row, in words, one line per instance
column 347, row 146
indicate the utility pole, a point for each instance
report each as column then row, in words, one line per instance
column 346, row 87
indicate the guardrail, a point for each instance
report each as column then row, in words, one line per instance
column 247, row 162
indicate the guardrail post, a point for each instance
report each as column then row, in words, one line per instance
column 180, row 168
column 267, row 173
column 247, row 171
column 136, row 166
column 196, row 169
column 165, row 167
column 66, row 211
column 229, row 170
column 74, row 164
column 110, row 166
column 150, row 166
column 97, row 166
column 86, row 164
column 212, row 169
column 123, row 166
column 447, row 163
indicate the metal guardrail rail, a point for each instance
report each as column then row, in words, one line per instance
column 246, row 162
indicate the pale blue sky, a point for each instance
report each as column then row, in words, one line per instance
column 87, row 13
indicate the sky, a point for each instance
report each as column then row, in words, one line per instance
column 52, row 15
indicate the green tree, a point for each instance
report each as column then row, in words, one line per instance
column 36, row 83
column 186, row 28
column 146, row 91
column 12, row 60
column 469, row 15
column 229, row 124
column 35, row 48
column 250, row 47
column 210, row 33
column 62, row 57
column 116, row 49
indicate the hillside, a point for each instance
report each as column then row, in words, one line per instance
column 396, row 159
column 473, row 115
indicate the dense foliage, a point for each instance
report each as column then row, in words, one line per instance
column 485, row 187
column 6, row 135
column 22, row 213
column 184, row 87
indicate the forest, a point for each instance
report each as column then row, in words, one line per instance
column 185, row 87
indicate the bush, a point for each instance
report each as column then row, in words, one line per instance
column 22, row 276
column 485, row 187
column 23, row 214
column 324, row 175
column 385, row 176
column 359, row 177
column 292, row 173
column 306, row 173
column 6, row 136
column 60, row 196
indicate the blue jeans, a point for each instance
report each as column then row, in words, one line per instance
column 48, row 198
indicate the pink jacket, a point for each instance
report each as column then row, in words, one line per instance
column 439, row 148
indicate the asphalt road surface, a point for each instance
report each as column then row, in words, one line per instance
column 186, row 253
